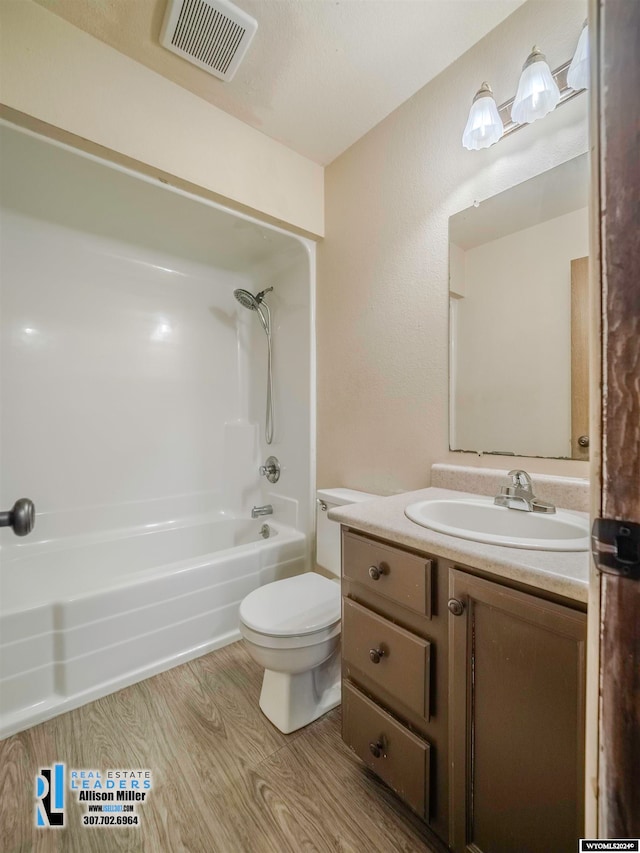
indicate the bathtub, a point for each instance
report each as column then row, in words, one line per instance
column 84, row 615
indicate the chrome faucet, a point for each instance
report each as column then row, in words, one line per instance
column 519, row 494
column 257, row 511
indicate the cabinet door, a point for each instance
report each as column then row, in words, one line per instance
column 516, row 680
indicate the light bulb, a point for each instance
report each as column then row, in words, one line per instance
column 538, row 92
column 578, row 73
column 484, row 125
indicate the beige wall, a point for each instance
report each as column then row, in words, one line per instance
column 383, row 268
column 58, row 74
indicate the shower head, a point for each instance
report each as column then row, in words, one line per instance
column 256, row 303
column 246, row 299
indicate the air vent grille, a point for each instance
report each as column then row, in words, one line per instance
column 212, row 34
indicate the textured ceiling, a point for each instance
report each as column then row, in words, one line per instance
column 319, row 73
column 546, row 196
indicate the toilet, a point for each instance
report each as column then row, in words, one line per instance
column 292, row 629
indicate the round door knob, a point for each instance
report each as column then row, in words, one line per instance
column 455, row 606
column 22, row 517
column 583, row 441
column 376, row 748
column 375, row 655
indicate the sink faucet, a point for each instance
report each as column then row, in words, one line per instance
column 519, row 494
column 257, row 511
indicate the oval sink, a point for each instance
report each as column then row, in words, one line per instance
column 481, row 520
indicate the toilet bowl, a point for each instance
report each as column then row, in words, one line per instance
column 292, row 629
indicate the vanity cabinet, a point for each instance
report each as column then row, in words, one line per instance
column 466, row 696
column 516, row 669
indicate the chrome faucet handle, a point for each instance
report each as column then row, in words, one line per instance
column 271, row 469
column 521, row 480
column 542, row 506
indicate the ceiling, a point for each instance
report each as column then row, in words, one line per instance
column 546, row 196
column 319, row 73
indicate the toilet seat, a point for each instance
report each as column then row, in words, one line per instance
column 295, row 641
column 305, row 607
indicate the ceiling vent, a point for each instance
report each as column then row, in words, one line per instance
column 212, row 34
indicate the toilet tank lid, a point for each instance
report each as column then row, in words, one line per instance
column 342, row 497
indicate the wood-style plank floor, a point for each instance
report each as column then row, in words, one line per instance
column 225, row 780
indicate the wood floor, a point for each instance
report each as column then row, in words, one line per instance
column 225, row 780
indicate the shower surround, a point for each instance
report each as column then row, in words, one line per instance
column 133, row 405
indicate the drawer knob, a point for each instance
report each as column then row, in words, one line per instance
column 376, row 748
column 375, row 572
column 375, row 655
column 456, row 606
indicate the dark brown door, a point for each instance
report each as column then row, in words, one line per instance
column 516, row 676
column 615, row 108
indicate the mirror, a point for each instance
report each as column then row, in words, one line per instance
column 518, row 275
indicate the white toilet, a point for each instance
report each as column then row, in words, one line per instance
column 292, row 629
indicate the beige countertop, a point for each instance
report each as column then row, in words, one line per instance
column 564, row 573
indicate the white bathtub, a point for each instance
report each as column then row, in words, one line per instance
column 82, row 616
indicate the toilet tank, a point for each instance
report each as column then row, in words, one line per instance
column 328, row 532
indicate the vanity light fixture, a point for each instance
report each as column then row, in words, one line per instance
column 484, row 125
column 538, row 93
column 578, row 73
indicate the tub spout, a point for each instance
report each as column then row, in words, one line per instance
column 257, row 511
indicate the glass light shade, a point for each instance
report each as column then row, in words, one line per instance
column 578, row 73
column 484, row 125
column 538, row 92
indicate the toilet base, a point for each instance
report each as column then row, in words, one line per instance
column 293, row 701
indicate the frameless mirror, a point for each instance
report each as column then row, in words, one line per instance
column 518, row 274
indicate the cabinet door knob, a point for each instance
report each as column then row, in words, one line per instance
column 374, row 573
column 376, row 748
column 375, row 655
column 455, row 606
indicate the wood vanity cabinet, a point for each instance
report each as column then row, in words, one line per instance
column 516, row 715
column 475, row 720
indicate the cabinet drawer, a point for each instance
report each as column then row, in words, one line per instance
column 402, row 577
column 390, row 656
column 398, row 756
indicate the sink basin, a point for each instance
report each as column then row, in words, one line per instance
column 481, row 520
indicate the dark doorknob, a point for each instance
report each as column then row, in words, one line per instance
column 22, row 517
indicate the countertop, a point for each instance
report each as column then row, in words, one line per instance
column 564, row 573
